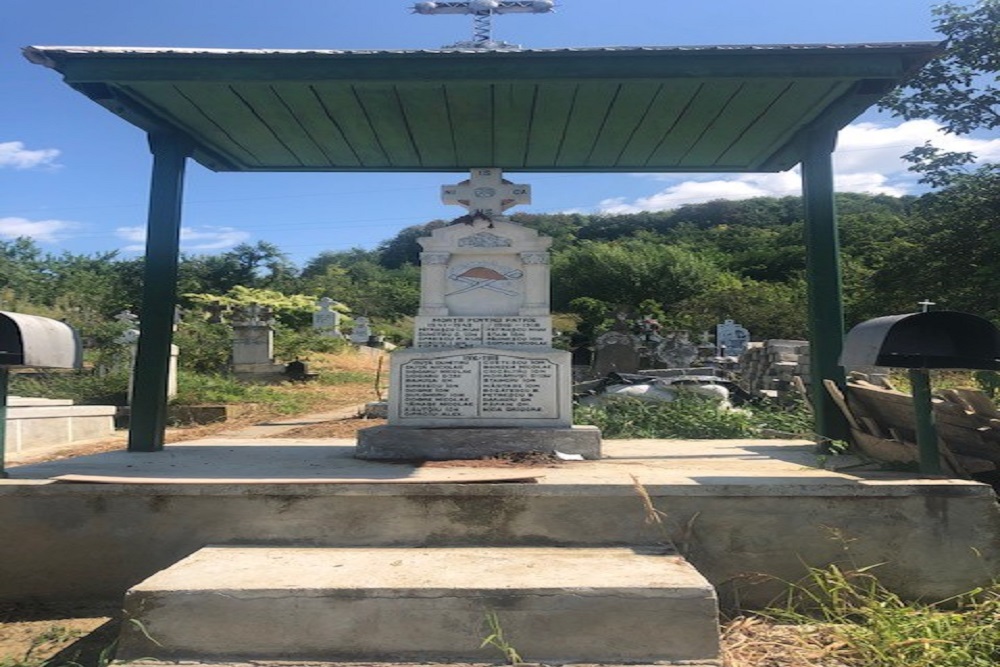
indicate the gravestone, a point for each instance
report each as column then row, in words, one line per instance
column 129, row 340
column 482, row 377
column 676, row 350
column 731, row 339
column 327, row 320
column 253, row 344
column 616, row 352
column 362, row 331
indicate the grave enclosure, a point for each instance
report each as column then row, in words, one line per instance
column 737, row 521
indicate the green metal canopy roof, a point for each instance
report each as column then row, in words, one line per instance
column 670, row 109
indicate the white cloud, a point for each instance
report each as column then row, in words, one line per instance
column 14, row 154
column 192, row 238
column 867, row 160
column 44, row 231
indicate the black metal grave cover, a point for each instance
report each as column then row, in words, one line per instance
column 937, row 339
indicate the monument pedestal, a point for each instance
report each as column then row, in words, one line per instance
column 413, row 443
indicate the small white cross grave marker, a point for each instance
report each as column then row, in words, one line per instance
column 486, row 192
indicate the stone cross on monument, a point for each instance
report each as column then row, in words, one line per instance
column 486, row 192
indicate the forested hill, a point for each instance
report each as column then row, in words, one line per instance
column 691, row 267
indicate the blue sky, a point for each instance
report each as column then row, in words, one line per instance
column 74, row 177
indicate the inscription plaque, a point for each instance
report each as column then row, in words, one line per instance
column 482, row 385
column 483, row 331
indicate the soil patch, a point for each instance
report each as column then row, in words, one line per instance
column 337, row 428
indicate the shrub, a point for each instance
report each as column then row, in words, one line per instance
column 691, row 416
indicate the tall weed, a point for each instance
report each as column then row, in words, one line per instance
column 882, row 630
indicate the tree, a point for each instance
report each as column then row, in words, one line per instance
column 958, row 89
column 629, row 271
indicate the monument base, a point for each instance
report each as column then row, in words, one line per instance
column 409, row 443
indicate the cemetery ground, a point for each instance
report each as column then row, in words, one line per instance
column 850, row 622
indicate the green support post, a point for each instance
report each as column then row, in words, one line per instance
column 4, row 379
column 148, row 420
column 923, row 410
column 826, row 311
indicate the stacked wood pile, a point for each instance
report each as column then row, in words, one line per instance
column 883, row 426
column 770, row 368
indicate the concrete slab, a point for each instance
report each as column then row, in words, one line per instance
column 747, row 513
column 553, row 605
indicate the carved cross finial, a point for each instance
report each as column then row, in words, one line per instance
column 486, row 192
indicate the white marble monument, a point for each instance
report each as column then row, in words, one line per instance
column 482, row 377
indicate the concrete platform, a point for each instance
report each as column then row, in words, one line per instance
column 748, row 514
column 554, row 605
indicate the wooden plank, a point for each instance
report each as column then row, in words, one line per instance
column 630, row 107
column 553, row 106
column 661, row 115
column 513, row 105
column 342, row 107
column 893, row 410
column 316, row 122
column 224, row 108
column 591, row 106
column 840, row 402
column 470, row 107
column 896, row 451
column 385, row 113
column 420, row 476
column 275, row 112
column 185, row 113
column 776, row 125
column 695, row 121
column 742, row 112
column 974, row 400
column 425, row 109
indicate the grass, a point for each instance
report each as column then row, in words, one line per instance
column 873, row 627
column 498, row 640
column 691, row 417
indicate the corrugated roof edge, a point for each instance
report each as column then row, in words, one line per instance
column 42, row 55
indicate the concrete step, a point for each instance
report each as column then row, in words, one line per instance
column 554, row 605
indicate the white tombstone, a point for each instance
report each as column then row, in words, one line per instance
column 130, row 338
column 731, row 339
column 362, row 331
column 327, row 320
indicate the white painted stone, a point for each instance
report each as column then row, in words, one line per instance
column 480, row 387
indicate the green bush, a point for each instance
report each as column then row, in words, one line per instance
column 197, row 389
column 290, row 344
column 691, row 416
column 204, row 347
column 83, row 387
column 687, row 417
